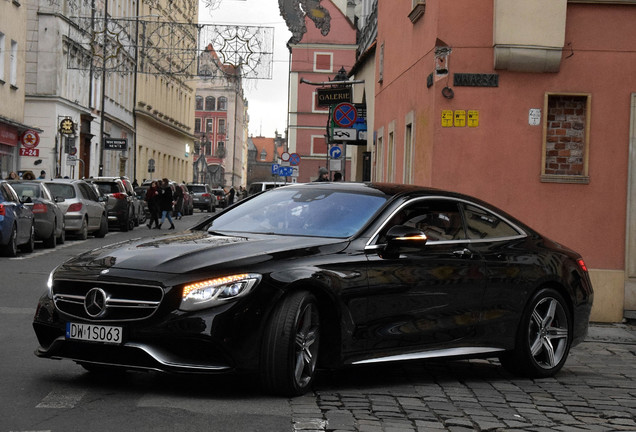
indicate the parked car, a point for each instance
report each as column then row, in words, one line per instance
column 84, row 211
column 17, row 227
column 323, row 275
column 221, row 197
column 202, row 196
column 257, row 187
column 140, row 192
column 48, row 216
column 140, row 215
column 122, row 203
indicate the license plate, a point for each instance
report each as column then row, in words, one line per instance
column 94, row 333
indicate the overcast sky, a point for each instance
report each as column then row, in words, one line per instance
column 267, row 98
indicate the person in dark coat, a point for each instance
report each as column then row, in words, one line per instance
column 178, row 201
column 152, row 198
column 165, row 203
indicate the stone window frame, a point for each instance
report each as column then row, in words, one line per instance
column 558, row 178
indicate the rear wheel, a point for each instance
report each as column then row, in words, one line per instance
column 82, row 234
column 29, row 246
column 51, row 241
column 543, row 339
column 11, row 248
column 103, row 228
column 290, row 346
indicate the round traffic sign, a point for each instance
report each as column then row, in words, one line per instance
column 335, row 152
column 345, row 115
column 285, row 156
column 294, row 159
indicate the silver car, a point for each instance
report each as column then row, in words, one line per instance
column 84, row 211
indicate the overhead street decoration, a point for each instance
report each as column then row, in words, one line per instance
column 294, row 13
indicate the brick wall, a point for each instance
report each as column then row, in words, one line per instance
column 565, row 138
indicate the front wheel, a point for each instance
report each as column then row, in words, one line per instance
column 290, row 346
column 543, row 339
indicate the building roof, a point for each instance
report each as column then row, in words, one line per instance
column 267, row 144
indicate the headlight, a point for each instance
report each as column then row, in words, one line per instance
column 49, row 284
column 213, row 292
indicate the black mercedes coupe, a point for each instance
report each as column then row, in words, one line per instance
column 319, row 276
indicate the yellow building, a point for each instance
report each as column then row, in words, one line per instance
column 165, row 101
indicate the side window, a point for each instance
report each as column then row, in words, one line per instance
column 439, row 219
column 481, row 224
column 87, row 192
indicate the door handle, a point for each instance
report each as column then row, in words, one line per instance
column 464, row 253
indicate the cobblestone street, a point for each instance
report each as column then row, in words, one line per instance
column 595, row 391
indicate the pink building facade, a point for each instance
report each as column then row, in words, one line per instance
column 316, row 58
column 528, row 105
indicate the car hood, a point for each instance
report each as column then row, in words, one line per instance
column 191, row 251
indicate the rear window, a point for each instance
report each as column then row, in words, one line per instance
column 27, row 190
column 61, row 190
column 196, row 189
column 108, row 188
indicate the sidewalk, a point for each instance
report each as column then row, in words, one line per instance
column 612, row 333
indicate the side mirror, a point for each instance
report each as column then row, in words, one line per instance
column 400, row 238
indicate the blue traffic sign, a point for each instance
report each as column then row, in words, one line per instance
column 275, row 169
column 294, row 159
column 335, row 152
column 285, row 171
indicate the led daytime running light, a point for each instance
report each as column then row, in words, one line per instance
column 211, row 283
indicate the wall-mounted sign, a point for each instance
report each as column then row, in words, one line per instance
column 459, row 118
column 30, row 139
column 115, row 144
column 333, row 96
column 447, row 118
column 67, row 127
column 473, row 118
column 475, row 80
column 534, row 117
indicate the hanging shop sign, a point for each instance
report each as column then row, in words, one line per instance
column 67, row 127
column 333, row 96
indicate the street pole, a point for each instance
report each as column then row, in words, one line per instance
column 103, row 101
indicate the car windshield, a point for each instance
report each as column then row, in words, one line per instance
column 27, row 190
column 308, row 212
column 61, row 190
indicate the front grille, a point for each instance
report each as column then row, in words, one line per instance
column 121, row 302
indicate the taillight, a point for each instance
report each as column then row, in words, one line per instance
column 206, row 195
column 74, row 207
column 581, row 264
column 39, row 208
column 218, row 198
column 2, row 210
column 120, row 196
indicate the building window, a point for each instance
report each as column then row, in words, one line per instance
column 209, row 125
column 381, row 64
column 222, row 103
column 263, row 155
column 13, row 77
column 198, row 103
column 566, row 138
column 222, row 126
column 2, row 55
column 323, row 62
column 419, row 7
column 210, row 103
column 408, row 154
column 197, row 125
column 390, row 157
column 318, row 145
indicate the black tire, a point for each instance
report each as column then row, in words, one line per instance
column 51, row 241
column 11, row 248
column 103, row 228
column 289, row 352
column 29, row 246
column 82, row 234
column 544, row 337
column 62, row 238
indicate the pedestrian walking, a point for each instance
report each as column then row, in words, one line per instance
column 165, row 203
column 323, row 175
column 230, row 196
column 42, row 175
column 152, row 198
column 13, row 176
column 178, row 201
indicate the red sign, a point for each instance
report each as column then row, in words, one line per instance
column 29, row 152
column 345, row 115
column 8, row 135
column 30, row 139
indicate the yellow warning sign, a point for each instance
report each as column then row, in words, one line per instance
column 460, row 118
column 473, row 118
column 447, row 118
